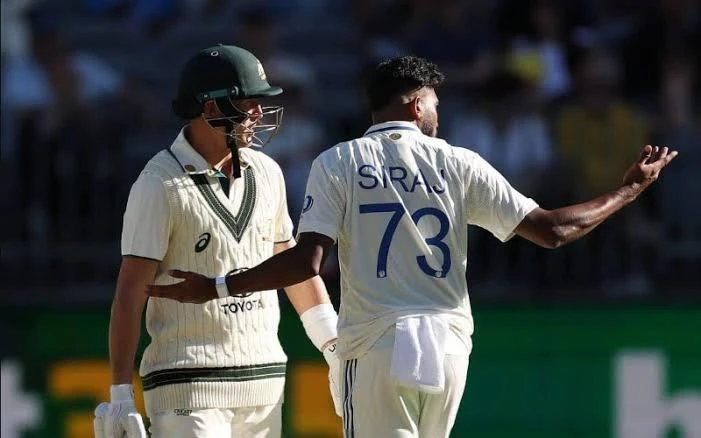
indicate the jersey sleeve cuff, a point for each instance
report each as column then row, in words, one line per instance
column 527, row 207
column 155, row 259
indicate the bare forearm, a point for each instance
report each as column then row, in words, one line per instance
column 575, row 221
column 124, row 335
column 290, row 267
column 311, row 301
column 307, row 294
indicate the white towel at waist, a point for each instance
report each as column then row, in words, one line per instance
column 419, row 353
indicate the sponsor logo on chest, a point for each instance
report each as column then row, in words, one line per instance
column 246, row 303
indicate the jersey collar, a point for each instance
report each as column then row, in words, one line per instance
column 190, row 160
column 392, row 126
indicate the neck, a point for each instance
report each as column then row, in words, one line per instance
column 392, row 114
column 210, row 144
column 383, row 117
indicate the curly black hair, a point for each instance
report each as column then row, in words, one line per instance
column 399, row 75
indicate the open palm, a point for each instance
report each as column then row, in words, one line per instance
column 646, row 170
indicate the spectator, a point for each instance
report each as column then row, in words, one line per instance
column 598, row 125
column 680, row 127
column 455, row 35
column 665, row 28
column 541, row 45
column 507, row 129
column 65, row 108
column 597, row 134
column 508, row 132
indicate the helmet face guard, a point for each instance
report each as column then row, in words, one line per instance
column 243, row 129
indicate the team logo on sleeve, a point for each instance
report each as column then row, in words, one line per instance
column 308, row 202
column 202, row 242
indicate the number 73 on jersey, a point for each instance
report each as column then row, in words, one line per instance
column 436, row 241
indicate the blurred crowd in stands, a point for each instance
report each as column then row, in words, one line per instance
column 558, row 95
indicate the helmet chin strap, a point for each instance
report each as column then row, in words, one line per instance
column 235, row 161
column 230, row 143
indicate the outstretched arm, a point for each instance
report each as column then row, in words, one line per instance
column 292, row 266
column 555, row 228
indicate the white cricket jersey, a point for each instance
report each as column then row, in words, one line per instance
column 224, row 353
column 398, row 203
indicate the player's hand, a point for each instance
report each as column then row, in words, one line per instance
column 194, row 288
column 121, row 419
column 99, row 420
column 334, row 377
column 645, row 171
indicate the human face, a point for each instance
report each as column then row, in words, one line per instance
column 427, row 112
column 244, row 131
column 251, row 124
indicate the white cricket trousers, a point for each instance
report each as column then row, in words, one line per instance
column 248, row 422
column 375, row 406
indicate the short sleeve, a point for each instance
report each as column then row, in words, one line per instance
column 492, row 203
column 324, row 201
column 146, row 227
column 283, row 222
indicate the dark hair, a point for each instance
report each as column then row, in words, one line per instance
column 396, row 76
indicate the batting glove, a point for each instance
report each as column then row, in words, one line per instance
column 99, row 420
column 121, row 420
column 320, row 324
column 334, row 377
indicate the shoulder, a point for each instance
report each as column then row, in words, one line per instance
column 459, row 154
column 464, row 155
column 334, row 153
column 147, row 189
column 262, row 164
column 467, row 162
column 344, row 153
column 163, row 165
column 259, row 159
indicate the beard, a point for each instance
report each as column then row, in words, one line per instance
column 429, row 127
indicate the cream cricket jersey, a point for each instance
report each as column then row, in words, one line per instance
column 224, row 353
column 399, row 203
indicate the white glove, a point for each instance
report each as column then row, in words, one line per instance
column 99, row 420
column 320, row 324
column 122, row 420
column 335, row 377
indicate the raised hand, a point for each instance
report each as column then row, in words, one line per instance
column 647, row 168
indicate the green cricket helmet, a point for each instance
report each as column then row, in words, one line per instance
column 226, row 74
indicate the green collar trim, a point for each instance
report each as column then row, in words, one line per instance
column 235, row 224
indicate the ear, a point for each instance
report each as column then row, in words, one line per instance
column 210, row 109
column 415, row 107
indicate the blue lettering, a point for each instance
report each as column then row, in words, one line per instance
column 425, row 180
column 417, row 182
column 372, row 177
column 441, row 188
column 367, row 175
column 399, row 179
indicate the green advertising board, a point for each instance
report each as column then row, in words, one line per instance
column 623, row 372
